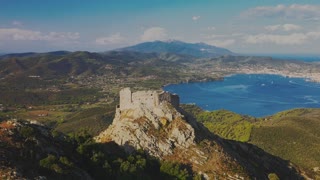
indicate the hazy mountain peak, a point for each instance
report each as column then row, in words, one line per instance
column 179, row 47
column 172, row 41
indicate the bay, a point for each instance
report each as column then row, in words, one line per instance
column 256, row 95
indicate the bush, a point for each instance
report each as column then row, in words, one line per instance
column 273, row 176
column 26, row 131
column 174, row 170
column 52, row 163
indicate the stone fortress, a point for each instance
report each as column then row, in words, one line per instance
column 150, row 99
column 149, row 120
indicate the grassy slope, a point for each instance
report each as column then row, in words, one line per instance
column 69, row 118
column 293, row 135
column 225, row 123
column 93, row 119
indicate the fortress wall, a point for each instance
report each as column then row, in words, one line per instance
column 147, row 98
column 125, row 98
column 151, row 99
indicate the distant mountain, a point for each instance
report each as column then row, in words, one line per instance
column 29, row 54
column 64, row 64
column 179, row 47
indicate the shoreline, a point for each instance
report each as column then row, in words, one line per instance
column 262, row 115
column 314, row 79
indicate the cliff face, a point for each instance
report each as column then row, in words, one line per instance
column 169, row 134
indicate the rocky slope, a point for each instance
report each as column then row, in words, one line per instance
column 170, row 134
column 29, row 151
column 157, row 132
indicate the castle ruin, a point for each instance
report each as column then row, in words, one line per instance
column 150, row 99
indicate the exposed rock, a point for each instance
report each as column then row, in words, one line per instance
column 156, row 128
column 152, row 121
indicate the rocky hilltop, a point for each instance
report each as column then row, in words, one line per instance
column 149, row 120
column 154, row 122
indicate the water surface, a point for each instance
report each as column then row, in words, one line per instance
column 256, row 95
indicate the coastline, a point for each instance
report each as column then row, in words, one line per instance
column 314, row 77
column 237, row 92
column 308, row 76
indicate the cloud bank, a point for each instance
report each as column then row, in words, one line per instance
column 294, row 11
column 111, row 40
column 17, row 34
column 289, row 39
column 283, row 27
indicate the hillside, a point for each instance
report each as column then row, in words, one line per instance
column 30, row 150
column 32, row 80
column 153, row 122
column 179, row 47
column 33, row 151
column 72, row 91
column 292, row 135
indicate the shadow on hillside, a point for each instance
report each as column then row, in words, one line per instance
column 258, row 163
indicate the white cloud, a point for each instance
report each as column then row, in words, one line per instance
column 16, row 23
column 313, row 35
column 196, row 18
column 294, row 11
column 113, row 39
column 284, row 27
column 223, row 40
column 222, row 43
column 212, row 28
column 289, row 39
column 17, row 34
column 154, row 33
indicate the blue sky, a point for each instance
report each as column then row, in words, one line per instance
column 243, row 26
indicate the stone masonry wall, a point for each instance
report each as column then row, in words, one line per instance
column 151, row 99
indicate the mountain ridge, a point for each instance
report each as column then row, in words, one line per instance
column 179, row 47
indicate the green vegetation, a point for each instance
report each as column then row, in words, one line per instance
column 174, row 171
column 293, row 135
column 273, row 176
column 26, row 132
column 59, row 165
column 120, row 165
column 94, row 119
column 77, row 156
column 224, row 123
column 16, row 98
column 75, row 91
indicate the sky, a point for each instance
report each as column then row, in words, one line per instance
column 242, row 26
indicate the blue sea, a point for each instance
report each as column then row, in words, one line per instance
column 256, row 95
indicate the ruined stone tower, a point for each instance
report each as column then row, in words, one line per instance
column 150, row 99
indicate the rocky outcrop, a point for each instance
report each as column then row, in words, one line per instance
column 157, row 131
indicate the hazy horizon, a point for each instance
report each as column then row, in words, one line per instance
column 249, row 27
